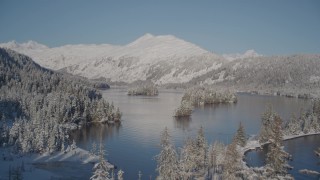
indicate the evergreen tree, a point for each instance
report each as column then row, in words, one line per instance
column 293, row 126
column 276, row 157
column 117, row 115
column 240, row 137
column 305, row 123
column 101, row 170
column 167, row 162
column 314, row 124
column 201, row 147
column 139, row 175
column 120, row 174
column 216, row 157
column 74, row 145
column 316, row 107
column 232, row 162
column 266, row 120
column 188, row 159
column 94, row 148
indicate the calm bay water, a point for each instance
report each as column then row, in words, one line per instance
column 302, row 151
column 133, row 144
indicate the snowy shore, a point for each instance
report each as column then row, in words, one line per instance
column 255, row 144
column 30, row 165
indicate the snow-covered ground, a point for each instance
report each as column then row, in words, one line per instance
column 254, row 144
column 75, row 163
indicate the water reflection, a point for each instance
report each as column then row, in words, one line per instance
column 96, row 133
column 133, row 144
column 182, row 122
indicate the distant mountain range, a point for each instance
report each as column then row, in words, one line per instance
column 161, row 59
column 167, row 60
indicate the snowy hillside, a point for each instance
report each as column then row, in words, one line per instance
column 161, row 59
column 291, row 75
column 168, row 60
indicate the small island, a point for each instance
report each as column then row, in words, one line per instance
column 184, row 110
column 146, row 90
column 201, row 96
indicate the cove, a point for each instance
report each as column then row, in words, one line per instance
column 133, row 144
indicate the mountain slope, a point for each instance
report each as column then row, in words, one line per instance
column 161, row 59
column 295, row 74
column 38, row 104
column 167, row 60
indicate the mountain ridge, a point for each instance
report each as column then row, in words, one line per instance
column 170, row 61
column 166, row 54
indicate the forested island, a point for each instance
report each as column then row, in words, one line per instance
column 144, row 90
column 201, row 96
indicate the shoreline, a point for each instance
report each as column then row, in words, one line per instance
column 255, row 143
column 27, row 163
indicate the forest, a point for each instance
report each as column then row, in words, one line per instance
column 39, row 107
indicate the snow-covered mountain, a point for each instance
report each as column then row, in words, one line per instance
column 291, row 75
column 167, row 60
column 248, row 54
column 161, row 59
column 23, row 46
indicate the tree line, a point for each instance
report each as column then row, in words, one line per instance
column 39, row 107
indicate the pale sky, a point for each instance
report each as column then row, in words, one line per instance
column 270, row 27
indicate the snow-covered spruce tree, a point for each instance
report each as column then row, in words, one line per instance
column 240, row 136
column 305, row 123
column 120, row 174
column 167, row 161
column 187, row 160
column 266, row 119
column 139, row 175
column 277, row 158
column 101, row 170
column 117, row 115
column 314, row 124
column 201, row 155
column 232, row 162
column 216, row 157
column 93, row 150
column 293, row 126
column 316, row 107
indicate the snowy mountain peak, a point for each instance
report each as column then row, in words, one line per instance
column 162, row 58
column 148, row 35
column 27, row 45
column 142, row 39
column 33, row 45
column 248, row 54
column 251, row 53
column 152, row 47
column 11, row 44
